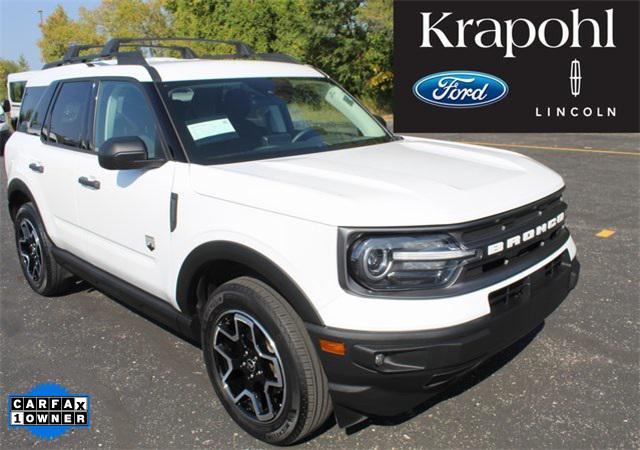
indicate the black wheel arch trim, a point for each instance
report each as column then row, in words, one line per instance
column 231, row 251
column 18, row 186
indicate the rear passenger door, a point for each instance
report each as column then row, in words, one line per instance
column 52, row 156
column 124, row 214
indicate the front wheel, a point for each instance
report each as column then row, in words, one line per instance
column 262, row 364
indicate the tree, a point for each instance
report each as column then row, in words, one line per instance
column 112, row 18
column 256, row 22
column 377, row 18
column 127, row 18
column 351, row 40
column 337, row 41
column 6, row 67
column 58, row 31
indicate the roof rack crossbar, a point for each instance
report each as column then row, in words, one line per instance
column 185, row 52
column 113, row 45
column 112, row 50
column 131, row 58
column 72, row 60
column 74, row 50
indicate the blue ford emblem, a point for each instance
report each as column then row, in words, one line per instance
column 460, row 89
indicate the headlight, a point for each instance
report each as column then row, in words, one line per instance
column 400, row 263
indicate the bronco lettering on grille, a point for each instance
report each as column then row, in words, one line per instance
column 526, row 236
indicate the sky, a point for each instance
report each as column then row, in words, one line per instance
column 19, row 29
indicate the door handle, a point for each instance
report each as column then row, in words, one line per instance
column 90, row 183
column 36, row 167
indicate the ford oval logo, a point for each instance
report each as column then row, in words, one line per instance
column 460, row 89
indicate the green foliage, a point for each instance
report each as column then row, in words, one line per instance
column 58, row 31
column 351, row 40
column 127, row 18
column 6, row 67
column 377, row 17
column 112, row 18
column 266, row 25
column 337, row 42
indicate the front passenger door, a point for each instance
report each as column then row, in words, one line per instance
column 125, row 213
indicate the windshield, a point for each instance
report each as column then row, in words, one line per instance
column 222, row 121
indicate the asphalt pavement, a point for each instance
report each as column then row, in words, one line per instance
column 573, row 384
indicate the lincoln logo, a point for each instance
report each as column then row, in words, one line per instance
column 518, row 239
column 575, row 77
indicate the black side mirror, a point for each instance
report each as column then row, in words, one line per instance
column 381, row 120
column 129, row 152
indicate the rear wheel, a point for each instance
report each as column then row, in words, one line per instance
column 262, row 363
column 43, row 273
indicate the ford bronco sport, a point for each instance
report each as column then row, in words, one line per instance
column 325, row 264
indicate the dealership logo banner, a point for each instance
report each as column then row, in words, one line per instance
column 516, row 66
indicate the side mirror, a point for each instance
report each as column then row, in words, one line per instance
column 122, row 153
column 381, row 120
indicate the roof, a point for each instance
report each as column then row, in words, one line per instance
column 181, row 69
column 21, row 76
column 172, row 69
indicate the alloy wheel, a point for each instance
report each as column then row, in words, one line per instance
column 250, row 368
column 30, row 250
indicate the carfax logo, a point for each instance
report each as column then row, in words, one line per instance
column 460, row 89
column 48, row 411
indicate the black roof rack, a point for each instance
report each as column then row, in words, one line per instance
column 74, row 50
column 113, row 45
column 72, row 55
column 112, row 49
column 122, row 57
column 185, row 52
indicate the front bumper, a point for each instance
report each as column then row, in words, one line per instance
column 388, row 373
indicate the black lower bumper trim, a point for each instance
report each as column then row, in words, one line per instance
column 388, row 373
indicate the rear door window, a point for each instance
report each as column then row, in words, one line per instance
column 70, row 113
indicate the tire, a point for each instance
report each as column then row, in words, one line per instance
column 291, row 406
column 42, row 272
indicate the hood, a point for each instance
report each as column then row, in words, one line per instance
column 410, row 182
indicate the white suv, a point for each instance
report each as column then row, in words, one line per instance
column 326, row 264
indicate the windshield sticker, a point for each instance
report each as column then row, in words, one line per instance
column 210, row 128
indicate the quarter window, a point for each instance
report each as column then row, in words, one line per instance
column 31, row 99
column 122, row 110
column 70, row 113
column 40, row 111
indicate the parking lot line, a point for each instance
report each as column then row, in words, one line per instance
column 561, row 149
column 605, row 233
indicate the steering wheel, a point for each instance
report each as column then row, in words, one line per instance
column 303, row 133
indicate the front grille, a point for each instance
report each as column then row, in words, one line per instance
column 507, row 226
